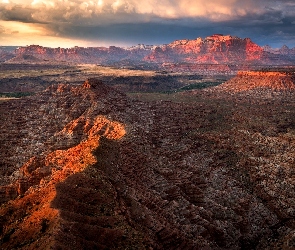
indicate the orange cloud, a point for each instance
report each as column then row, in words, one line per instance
column 95, row 11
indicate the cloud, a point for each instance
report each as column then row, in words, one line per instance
column 103, row 12
column 2, row 29
column 151, row 21
column 97, row 12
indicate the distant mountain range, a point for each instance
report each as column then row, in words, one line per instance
column 181, row 54
column 284, row 51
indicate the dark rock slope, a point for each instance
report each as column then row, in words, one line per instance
column 87, row 168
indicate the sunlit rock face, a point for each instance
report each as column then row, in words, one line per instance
column 261, row 80
column 216, row 49
column 88, row 165
column 213, row 55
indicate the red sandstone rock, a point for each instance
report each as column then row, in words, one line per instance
column 216, row 49
column 267, row 80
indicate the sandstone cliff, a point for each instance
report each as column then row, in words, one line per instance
column 215, row 49
column 261, row 80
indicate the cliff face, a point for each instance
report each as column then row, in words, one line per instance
column 88, row 165
column 216, row 49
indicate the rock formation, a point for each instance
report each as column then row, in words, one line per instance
column 261, row 80
column 84, row 55
column 85, row 167
column 226, row 50
column 215, row 49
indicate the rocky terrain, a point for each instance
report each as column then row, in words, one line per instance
column 86, row 167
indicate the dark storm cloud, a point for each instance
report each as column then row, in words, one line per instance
column 16, row 13
column 155, row 22
column 273, row 27
column 274, row 32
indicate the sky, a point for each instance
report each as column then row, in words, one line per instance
column 68, row 23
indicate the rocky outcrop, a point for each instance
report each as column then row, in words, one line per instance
column 280, row 80
column 86, row 164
